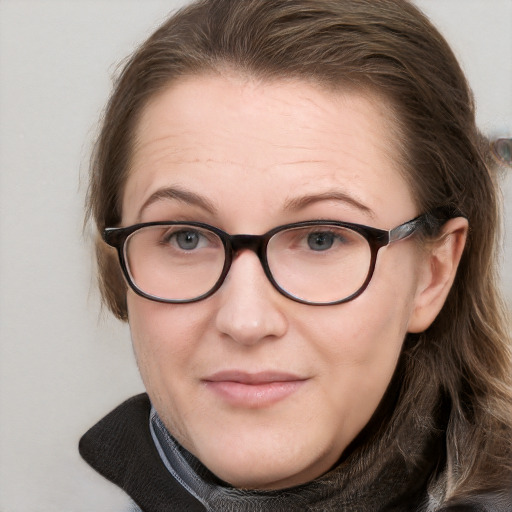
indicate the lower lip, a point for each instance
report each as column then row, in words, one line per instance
column 254, row 396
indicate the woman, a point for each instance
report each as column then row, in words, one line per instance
column 298, row 222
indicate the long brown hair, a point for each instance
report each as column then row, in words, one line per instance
column 391, row 49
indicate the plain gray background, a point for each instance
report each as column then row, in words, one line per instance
column 63, row 362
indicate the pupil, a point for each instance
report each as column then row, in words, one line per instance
column 320, row 241
column 187, row 240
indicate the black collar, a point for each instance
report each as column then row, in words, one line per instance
column 120, row 448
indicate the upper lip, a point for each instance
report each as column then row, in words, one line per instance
column 264, row 377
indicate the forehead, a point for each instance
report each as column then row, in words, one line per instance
column 270, row 140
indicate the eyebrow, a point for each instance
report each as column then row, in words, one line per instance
column 179, row 194
column 298, row 203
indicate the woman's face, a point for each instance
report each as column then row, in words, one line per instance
column 247, row 156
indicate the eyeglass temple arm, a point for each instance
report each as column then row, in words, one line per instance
column 405, row 230
column 431, row 220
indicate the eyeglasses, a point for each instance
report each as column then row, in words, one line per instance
column 317, row 262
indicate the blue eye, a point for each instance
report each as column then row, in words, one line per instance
column 321, row 240
column 187, row 240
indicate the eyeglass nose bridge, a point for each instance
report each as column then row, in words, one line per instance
column 234, row 244
column 254, row 243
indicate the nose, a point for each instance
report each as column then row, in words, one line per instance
column 249, row 309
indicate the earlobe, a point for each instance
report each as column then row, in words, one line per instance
column 438, row 274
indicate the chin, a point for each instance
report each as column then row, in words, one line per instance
column 267, row 467
column 265, row 478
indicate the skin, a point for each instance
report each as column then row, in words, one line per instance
column 246, row 153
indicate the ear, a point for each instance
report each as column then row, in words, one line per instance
column 438, row 273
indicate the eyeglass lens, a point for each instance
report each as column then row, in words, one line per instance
column 318, row 264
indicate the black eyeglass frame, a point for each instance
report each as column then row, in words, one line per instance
column 377, row 238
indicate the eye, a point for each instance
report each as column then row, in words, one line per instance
column 187, row 240
column 320, row 240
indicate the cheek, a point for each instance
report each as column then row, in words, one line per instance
column 357, row 356
column 162, row 326
column 164, row 338
column 364, row 332
column 360, row 341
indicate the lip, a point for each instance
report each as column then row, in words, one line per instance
column 253, row 390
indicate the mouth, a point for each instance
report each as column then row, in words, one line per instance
column 253, row 390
